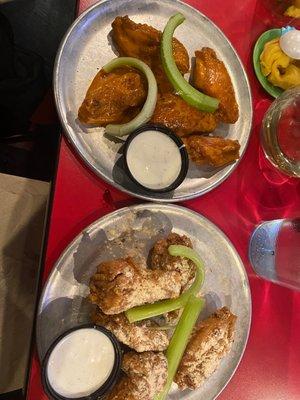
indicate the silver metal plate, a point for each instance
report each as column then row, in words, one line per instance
column 87, row 47
column 63, row 302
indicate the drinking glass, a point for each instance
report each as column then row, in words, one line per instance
column 280, row 134
column 274, row 251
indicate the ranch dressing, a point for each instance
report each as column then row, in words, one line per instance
column 154, row 159
column 80, row 363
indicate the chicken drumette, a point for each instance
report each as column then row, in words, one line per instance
column 173, row 112
column 211, row 150
column 143, row 42
column 121, row 284
column 145, row 376
column 161, row 259
column 114, row 97
column 212, row 78
column 210, row 342
column 140, row 336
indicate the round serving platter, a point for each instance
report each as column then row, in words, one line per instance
column 87, row 46
column 133, row 230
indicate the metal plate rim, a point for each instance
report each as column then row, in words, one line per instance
column 159, row 207
column 81, row 154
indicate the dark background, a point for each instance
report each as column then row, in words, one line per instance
column 30, row 33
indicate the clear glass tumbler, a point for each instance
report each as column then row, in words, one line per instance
column 274, row 251
column 280, row 134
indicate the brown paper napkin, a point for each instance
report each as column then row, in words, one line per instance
column 23, row 206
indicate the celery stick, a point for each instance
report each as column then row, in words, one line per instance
column 180, row 340
column 191, row 95
column 161, row 307
column 152, row 310
column 148, row 108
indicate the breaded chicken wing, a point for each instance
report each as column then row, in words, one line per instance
column 145, row 375
column 211, row 77
column 120, row 284
column 173, row 112
column 113, row 98
column 215, row 151
column 210, row 342
column 143, row 42
column 161, row 259
column 139, row 336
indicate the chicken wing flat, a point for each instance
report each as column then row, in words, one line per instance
column 212, row 78
column 161, row 259
column 113, row 98
column 139, row 336
column 145, row 376
column 173, row 112
column 120, row 284
column 208, row 345
column 214, row 151
column 143, row 42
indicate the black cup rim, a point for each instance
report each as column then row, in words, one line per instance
column 183, row 153
column 108, row 384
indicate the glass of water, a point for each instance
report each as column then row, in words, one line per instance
column 274, row 251
column 280, row 134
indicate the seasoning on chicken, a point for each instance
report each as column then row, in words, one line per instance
column 145, row 376
column 120, row 284
column 211, row 77
column 114, row 97
column 143, row 42
column 173, row 112
column 211, row 150
column 208, row 345
column 139, row 336
column 161, row 259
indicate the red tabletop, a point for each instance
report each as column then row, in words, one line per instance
column 270, row 368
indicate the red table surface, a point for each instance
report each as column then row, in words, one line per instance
column 270, row 368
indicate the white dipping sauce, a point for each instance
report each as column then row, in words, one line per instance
column 80, row 363
column 154, row 159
